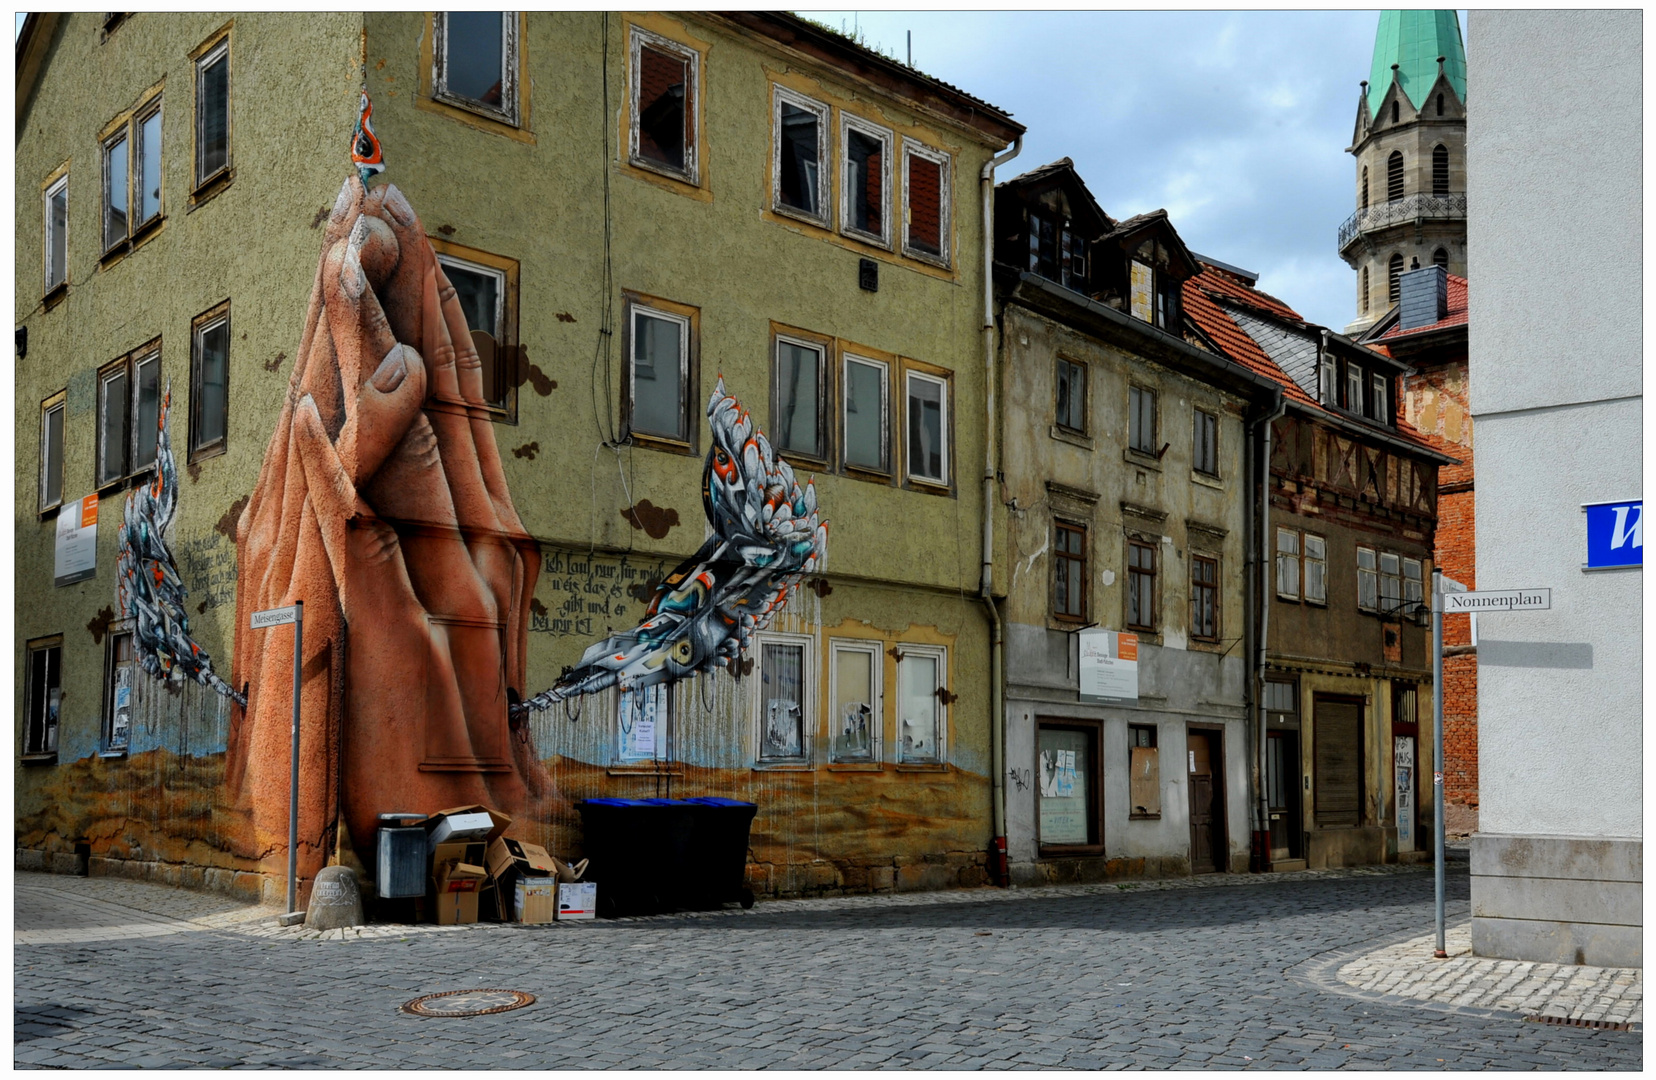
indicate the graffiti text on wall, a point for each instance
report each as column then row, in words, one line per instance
column 208, row 563
column 589, row 591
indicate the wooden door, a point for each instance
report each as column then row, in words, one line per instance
column 1282, row 782
column 1205, row 764
column 1337, row 746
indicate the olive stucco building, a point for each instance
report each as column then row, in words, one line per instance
column 631, row 207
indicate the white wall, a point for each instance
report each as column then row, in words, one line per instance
column 1555, row 237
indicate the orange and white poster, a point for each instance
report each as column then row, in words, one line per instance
column 1109, row 666
column 77, row 541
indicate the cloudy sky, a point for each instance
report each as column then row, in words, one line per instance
column 1235, row 122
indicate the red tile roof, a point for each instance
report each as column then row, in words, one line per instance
column 1212, row 320
column 1456, row 316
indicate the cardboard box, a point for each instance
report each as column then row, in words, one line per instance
column 537, row 900
column 473, row 822
column 529, row 860
column 566, row 872
column 456, row 885
column 577, row 900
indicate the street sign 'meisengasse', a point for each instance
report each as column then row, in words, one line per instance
column 275, row 616
column 1503, row 600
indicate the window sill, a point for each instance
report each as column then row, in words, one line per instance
column 112, row 754
column 474, row 118
column 1074, row 438
column 39, row 759
column 210, row 187
column 1145, row 637
column 782, row 766
column 926, row 257
column 645, row 770
column 1141, row 459
column 1058, row 851
column 206, row 453
column 51, row 512
column 143, row 233
column 54, row 296
column 1206, row 480
column 1144, row 817
column 867, row 238
column 857, row 766
column 115, row 254
column 803, row 462
column 868, row 476
column 929, row 487
column 682, row 176
column 660, row 442
column 796, row 214
column 923, row 766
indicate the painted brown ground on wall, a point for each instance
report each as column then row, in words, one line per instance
column 817, row 831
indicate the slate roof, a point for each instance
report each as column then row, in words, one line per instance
column 1218, row 306
column 1294, row 352
column 1457, row 315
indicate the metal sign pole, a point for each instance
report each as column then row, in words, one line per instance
column 1437, row 747
column 293, row 787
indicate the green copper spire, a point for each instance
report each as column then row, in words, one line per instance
column 1414, row 40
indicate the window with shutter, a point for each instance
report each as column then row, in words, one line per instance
column 1394, row 176
column 1338, row 760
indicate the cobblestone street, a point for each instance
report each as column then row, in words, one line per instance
column 1284, row 972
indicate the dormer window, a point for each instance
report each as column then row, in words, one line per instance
column 1354, row 388
column 1377, row 398
column 1057, row 252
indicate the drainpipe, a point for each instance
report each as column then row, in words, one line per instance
column 997, row 648
column 1262, row 578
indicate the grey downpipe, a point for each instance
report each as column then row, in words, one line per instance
column 997, row 647
column 1265, row 569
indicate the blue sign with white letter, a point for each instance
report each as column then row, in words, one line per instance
column 1615, row 534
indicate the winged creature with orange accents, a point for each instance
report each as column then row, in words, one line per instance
column 766, row 538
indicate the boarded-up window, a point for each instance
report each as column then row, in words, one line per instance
column 1337, row 738
column 1144, row 783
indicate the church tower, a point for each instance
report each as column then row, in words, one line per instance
column 1410, row 146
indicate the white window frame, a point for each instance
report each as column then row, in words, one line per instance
column 915, row 148
column 1392, row 602
column 136, row 225
column 123, row 136
column 876, row 664
column 49, row 731
column 943, row 428
column 1369, row 575
column 825, row 157
column 1286, row 557
column 61, row 277
column 848, row 124
column 1414, row 588
column 941, row 654
column 1377, row 400
column 501, row 286
column 1308, row 560
column 634, row 312
column 1354, row 387
column 106, row 729
column 692, row 151
column 846, row 360
column 57, row 403
column 510, row 111
column 198, row 335
column 807, row 695
column 203, row 62
column 821, row 451
column 662, row 752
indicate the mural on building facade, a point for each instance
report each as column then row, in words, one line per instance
column 766, row 538
column 148, row 589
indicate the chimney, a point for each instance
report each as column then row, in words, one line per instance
column 1425, row 297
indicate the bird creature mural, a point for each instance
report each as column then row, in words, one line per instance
column 148, row 589
column 766, row 538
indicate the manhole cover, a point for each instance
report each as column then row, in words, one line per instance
column 468, row 1003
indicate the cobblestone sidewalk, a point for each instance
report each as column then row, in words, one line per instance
column 1574, row 992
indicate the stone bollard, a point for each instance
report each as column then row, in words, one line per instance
column 335, row 900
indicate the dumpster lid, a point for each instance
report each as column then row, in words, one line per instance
column 614, row 802
column 719, row 800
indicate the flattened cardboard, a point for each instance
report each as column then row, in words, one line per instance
column 537, row 900
column 577, row 900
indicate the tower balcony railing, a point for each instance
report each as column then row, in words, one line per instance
column 1417, row 207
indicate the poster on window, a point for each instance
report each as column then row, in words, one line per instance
column 1140, row 298
column 1063, row 779
column 1403, row 767
column 77, row 542
column 642, row 716
column 120, row 721
column 1109, row 666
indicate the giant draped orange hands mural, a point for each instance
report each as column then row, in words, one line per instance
column 382, row 504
